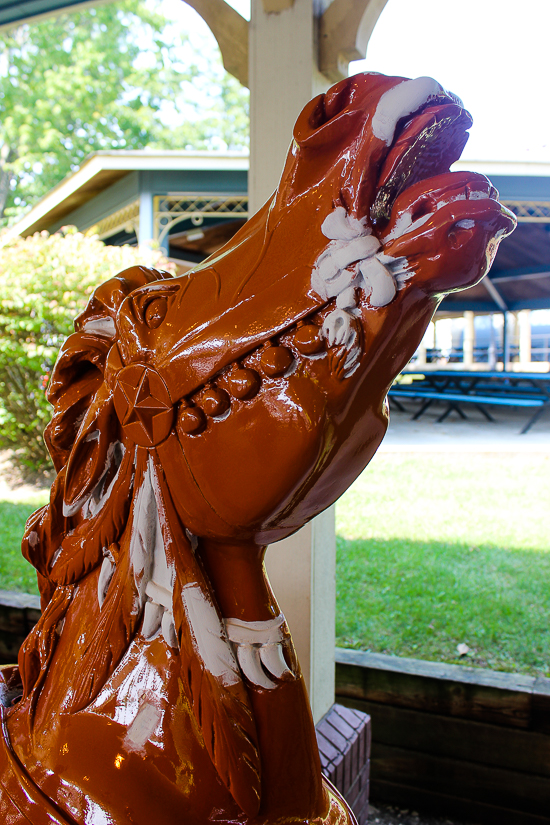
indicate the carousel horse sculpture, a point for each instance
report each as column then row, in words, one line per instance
column 198, row 419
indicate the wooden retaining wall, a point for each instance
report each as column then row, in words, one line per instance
column 19, row 612
column 461, row 742
column 457, row 741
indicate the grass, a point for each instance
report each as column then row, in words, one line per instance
column 433, row 551
column 440, row 550
column 15, row 572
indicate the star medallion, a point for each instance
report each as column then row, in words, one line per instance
column 143, row 405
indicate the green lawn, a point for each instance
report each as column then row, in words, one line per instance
column 15, row 572
column 433, row 551
column 440, row 550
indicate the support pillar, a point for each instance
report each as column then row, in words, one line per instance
column 283, row 63
column 469, row 339
column 524, row 321
column 492, row 352
column 146, row 230
column 283, row 76
column 302, row 571
column 421, row 355
column 505, row 342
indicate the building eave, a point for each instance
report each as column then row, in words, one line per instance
column 102, row 169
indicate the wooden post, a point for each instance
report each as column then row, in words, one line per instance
column 283, row 72
column 302, row 571
column 505, row 342
column 492, row 352
column 283, row 77
column 524, row 320
column 422, row 355
column 146, row 230
column 469, row 339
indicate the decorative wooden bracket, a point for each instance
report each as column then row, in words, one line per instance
column 344, row 32
column 230, row 30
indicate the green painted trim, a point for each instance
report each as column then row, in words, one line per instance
column 115, row 197
column 13, row 12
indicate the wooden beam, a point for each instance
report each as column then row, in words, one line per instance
column 230, row 30
column 495, row 294
column 525, row 273
column 344, row 31
column 460, row 742
column 507, row 699
column 275, row 6
column 481, row 785
column 15, row 12
column 522, row 751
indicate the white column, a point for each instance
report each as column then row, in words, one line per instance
column 524, row 319
column 302, row 571
column 283, row 76
column 469, row 339
column 146, row 219
column 492, row 352
column 421, row 355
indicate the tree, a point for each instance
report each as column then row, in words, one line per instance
column 45, row 282
column 109, row 77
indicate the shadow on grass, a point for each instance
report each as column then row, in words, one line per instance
column 423, row 598
column 15, row 572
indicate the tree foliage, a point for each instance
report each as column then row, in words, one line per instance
column 45, row 282
column 115, row 76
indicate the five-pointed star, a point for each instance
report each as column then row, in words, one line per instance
column 143, row 405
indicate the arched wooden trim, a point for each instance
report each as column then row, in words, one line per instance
column 230, row 30
column 344, row 31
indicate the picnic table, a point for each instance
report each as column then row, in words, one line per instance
column 456, row 388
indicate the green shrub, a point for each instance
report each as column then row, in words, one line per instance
column 45, row 282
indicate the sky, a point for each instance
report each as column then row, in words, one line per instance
column 492, row 53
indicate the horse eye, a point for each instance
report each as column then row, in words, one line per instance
column 155, row 312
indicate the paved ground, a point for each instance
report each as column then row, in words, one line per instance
column 474, row 435
column 11, row 483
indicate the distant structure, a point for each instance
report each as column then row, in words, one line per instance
column 191, row 203
column 187, row 203
column 519, row 282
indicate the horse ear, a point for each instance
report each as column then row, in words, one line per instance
column 89, row 458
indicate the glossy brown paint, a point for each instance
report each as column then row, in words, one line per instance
column 196, row 420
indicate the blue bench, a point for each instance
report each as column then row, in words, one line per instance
column 509, row 398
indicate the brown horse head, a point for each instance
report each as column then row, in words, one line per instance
column 229, row 406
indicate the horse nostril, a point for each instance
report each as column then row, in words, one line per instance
column 460, row 232
column 423, row 207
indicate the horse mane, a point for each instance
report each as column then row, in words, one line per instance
column 104, row 511
column 87, row 446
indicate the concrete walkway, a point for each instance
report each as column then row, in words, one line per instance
column 474, row 435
